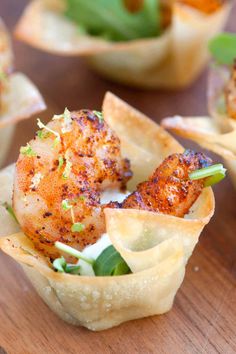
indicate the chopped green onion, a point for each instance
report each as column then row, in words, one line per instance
column 65, row 205
column 56, row 141
column 77, row 227
column 213, row 174
column 43, row 126
column 10, row 210
column 27, row 150
column 43, row 134
column 72, row 252
column 60, row 162
column 72, row 269
column 110, row 262
column 59, row 264
column 99, row 115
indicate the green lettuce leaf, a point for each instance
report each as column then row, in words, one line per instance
column 110, row 263
column 111, row 20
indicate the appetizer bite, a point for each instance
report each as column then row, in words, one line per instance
column 19, row 98
column 217, row 132
column 108, row 216
column 140, row 43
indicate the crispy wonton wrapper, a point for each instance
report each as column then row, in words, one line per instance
column 218, row 133
column 19, row 98
column 156, row 247
column 172, row 60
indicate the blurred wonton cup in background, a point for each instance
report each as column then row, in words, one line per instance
column 19, row 98
column 216, row 133
column 155, row 246
column 173, row 59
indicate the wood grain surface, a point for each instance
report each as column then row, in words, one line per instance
column 203, row 319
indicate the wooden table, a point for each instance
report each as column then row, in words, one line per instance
column 203, row 319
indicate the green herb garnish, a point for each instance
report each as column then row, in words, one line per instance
column 56, row 141
column 110, row 263
column 10, row 210
column 99, row 115
column 65, row 205
column 42, row 134
column 59, row 264
column 60, row 162
column 111, row 20
column 223, row 48
column 212, row 174
column 27, row 150
column 73, row 252
column 43, row 126
column 77, row 227
column 62, row 266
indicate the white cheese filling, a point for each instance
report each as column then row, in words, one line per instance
column 93, row 251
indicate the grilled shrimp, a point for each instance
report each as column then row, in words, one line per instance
column 230, row 94
column 169, row 190
column 207, row 7
column 59, row 177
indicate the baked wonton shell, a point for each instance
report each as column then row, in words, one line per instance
column 19, row 98
column 157, row 259
column 173, row 60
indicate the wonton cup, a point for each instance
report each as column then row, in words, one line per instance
column 19, row 98
column 218, row 133
column 155, row 246
column 172, row 60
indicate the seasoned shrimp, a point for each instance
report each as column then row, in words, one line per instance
column 169, row 190
column 230, row 94
column 59, row 177
column 207, row 7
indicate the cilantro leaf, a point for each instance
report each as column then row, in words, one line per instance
column 223, row 48
column 111, row 19
column 110, row 262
